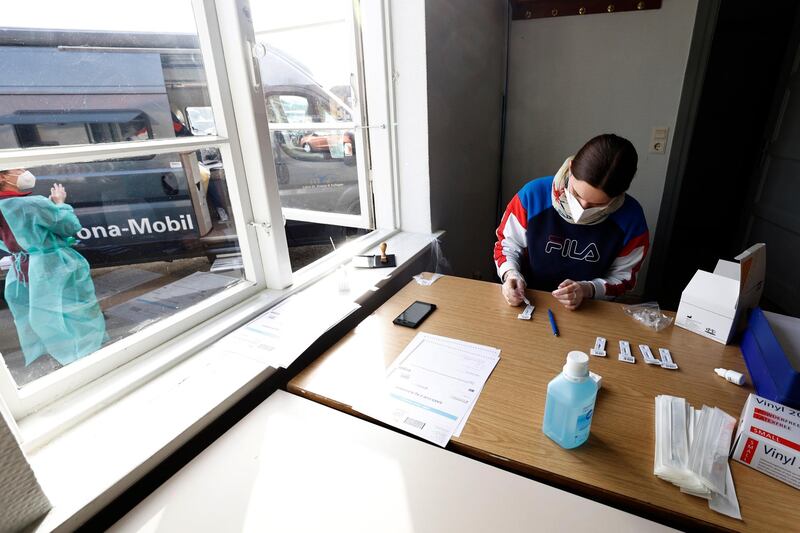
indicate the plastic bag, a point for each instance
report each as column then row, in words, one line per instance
column 438, row 265
column 648, row 314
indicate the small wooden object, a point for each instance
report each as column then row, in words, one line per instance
column 383, row 260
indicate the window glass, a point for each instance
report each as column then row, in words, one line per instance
column 134, row 241
column 93, row 252
column 107, row 72
column 201, row 120
column 316, row 171
column 308, row 74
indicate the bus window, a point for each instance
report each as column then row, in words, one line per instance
column 201, row 120
column 296, row 108
column 49, row 128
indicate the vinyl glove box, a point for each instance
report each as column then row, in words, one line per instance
column 768, row 439
column 713, row 304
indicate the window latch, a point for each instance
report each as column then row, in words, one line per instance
column 263, row 225
column 381, row 126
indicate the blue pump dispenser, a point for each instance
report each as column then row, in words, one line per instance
column 570, row 403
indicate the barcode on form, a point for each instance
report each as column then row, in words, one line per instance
column 416, row 423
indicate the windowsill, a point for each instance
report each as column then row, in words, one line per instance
column 93, row 462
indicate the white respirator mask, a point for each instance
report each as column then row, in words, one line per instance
column 26, row 181
column 577, row 210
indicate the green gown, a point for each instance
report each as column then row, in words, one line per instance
column 56, row 310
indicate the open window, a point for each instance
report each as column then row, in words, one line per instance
column 173, row 151
column 311, row 70
column 156, row 233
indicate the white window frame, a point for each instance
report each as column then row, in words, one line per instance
column 250, row 174
column 378, row 82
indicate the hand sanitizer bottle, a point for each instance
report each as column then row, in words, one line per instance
column 570, row 403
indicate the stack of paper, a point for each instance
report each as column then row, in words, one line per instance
column 432, row 386
column 284, row 332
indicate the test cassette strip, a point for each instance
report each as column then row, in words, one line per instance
column 648, row 356
column 599, row 349
column 625, row 352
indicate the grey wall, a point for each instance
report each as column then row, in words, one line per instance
column 465, row 43
column 571, row 78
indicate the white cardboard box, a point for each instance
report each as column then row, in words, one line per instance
column 713, row 304
column 768, row 439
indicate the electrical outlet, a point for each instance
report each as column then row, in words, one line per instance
column 658, row 141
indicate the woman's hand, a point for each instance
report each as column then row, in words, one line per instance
column 58, row 194
column 572, row 293
column 514, row 288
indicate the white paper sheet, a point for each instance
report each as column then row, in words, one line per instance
column 285, row 331
column 432, row 386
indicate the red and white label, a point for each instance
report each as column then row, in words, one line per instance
column 775, row 438
column 749, row 450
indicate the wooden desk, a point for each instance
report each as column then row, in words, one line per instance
column 616, row 464
column 294, row 465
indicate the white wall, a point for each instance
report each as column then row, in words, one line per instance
column 571, row 78
column 465, row 59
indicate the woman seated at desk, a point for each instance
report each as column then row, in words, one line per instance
column 577, row 233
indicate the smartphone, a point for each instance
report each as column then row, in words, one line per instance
column 414, row 315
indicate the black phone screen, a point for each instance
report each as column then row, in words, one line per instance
column 414, row 314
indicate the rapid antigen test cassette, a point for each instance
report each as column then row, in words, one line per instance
column 666, row 359
column 648, row 356
column 599, row 349
column 528, row 312
column 625, row 352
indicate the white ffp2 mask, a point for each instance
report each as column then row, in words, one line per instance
column 26, row 181
column 578, row 212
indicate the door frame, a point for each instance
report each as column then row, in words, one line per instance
column 705, row 24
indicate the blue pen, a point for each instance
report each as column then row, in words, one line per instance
column 552, row 322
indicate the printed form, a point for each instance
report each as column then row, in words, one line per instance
column 431, row 387
column 285, row 331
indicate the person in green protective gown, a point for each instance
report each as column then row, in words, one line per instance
column 48, row 289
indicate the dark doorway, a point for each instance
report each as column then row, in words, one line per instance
column 748, row 64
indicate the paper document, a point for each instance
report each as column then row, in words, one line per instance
column 432, row 386
column 285, row 331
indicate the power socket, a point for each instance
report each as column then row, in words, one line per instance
column 658, row 141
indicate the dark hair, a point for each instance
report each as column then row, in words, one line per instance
column 607, row 162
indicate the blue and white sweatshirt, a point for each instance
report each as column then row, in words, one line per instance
column 535, row 240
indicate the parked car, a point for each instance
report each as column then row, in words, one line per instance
column 328, row 142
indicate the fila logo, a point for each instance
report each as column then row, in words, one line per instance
column 569, row 248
